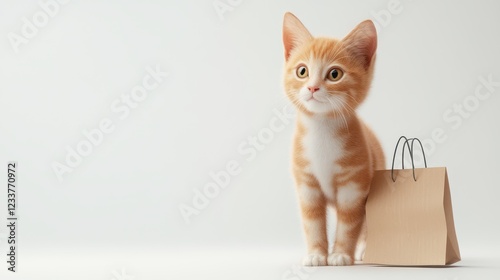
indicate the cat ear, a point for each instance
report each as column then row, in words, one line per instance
column 362, row 42
column 294, row 33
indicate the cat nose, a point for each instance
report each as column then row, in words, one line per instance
column 313, row 89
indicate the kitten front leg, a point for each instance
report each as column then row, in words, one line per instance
column 350, row 218
column 359, row 253
column 313, row 209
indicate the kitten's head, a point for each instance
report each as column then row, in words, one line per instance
column 328, row 76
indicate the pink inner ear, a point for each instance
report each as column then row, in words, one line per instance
column 368, row 50
column 362, row 42
column 294, row 34
column 288, row 44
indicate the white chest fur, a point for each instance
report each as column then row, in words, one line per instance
column 323, row 146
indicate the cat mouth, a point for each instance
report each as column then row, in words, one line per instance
column 312, row 98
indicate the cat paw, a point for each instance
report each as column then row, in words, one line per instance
column 314, row 260
column 359, row 255
column 338, row 259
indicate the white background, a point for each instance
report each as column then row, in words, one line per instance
column 117, row 213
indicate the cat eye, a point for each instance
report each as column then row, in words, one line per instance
column 335, row 74
column 302, row 72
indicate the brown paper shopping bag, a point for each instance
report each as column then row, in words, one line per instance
column 409, row 216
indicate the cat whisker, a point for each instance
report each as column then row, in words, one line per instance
column 345, row 103
column 336, row 103
column 347, row 106
column 355, row 100
column 295, row 100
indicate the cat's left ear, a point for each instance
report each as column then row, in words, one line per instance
column 294, row 34
column 362, row 42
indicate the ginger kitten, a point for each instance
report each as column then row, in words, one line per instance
column 334, row 153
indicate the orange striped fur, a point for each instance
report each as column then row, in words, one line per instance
column 334, row 153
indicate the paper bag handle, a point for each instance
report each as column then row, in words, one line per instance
column 410, row 149
column 411, row 152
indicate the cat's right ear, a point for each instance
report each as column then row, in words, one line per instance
column 294, row 34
